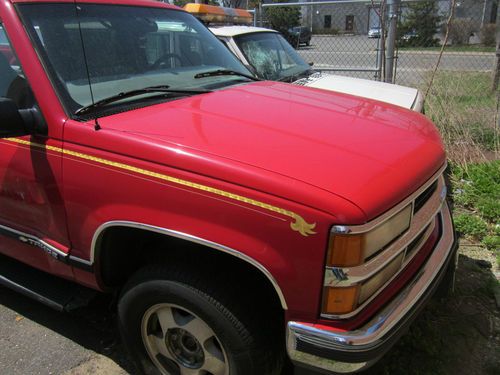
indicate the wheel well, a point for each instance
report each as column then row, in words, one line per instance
column 122, row 250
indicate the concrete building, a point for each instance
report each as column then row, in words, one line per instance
column 358, row 17
column 351, row 18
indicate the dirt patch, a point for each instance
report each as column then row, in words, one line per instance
column 459, row 334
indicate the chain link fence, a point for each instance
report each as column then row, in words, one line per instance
column 446, row 48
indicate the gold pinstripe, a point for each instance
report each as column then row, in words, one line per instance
column 299, row 225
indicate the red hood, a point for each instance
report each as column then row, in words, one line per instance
column 370, row 153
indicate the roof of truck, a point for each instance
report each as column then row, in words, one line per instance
column 231, row 31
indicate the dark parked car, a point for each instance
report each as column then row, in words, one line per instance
column 299, row 35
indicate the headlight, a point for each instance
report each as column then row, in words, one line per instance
column 354, row 249
column 348, row 250
column 342, row 300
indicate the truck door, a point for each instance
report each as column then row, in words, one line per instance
column 32, row 216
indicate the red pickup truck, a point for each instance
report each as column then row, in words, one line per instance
column 240, row 223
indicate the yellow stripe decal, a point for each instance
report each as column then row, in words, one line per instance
column 299, row 225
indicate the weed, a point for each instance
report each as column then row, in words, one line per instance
column 476, row 193
column 477, row 187
column 471, row 225
column 464, row 109
column 492, row 242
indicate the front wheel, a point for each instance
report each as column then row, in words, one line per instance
column 173, row 324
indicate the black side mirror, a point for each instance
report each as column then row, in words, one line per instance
column 15, row 122
column 11, row 122
column 311, row 63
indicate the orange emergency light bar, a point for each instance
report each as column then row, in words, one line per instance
column 215, row 14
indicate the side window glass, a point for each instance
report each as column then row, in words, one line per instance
column 13, row 84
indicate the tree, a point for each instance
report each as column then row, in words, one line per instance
column 234, row 3
column 283, row 18
column 181, row 3
column 420, row 24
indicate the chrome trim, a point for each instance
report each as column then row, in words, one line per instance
column 187, row 237
column 420, row 221
column 372, row 334
column 81, row 264
column 382, row 287
column 80, row 260
column 341, row 229
column 356, row 276
column 354, row 229
column 35, row 242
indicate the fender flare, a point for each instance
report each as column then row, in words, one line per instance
column 187, row 237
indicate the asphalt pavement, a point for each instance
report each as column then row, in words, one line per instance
column 37, row 340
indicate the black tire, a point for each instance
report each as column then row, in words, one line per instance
column 240, row 342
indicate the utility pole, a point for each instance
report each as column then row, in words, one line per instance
column 484, row 14
column 496, row 67
column 393, row 7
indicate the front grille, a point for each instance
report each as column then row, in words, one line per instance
column 422, row 199
column 415, row 244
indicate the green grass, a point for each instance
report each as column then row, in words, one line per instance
column 477, row 187
column 471, row 225
column 476, row 192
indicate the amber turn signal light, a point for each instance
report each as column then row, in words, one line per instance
column 340, row 300
column 346, row 250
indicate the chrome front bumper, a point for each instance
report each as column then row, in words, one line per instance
column 346, row 352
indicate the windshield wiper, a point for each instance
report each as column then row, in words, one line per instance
column 163, row 89
column 295, row 77
column 225, row 72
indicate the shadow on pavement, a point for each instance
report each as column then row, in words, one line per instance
column 92, row 327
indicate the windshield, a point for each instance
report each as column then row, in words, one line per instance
column 271, row 56
column 93, row 52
